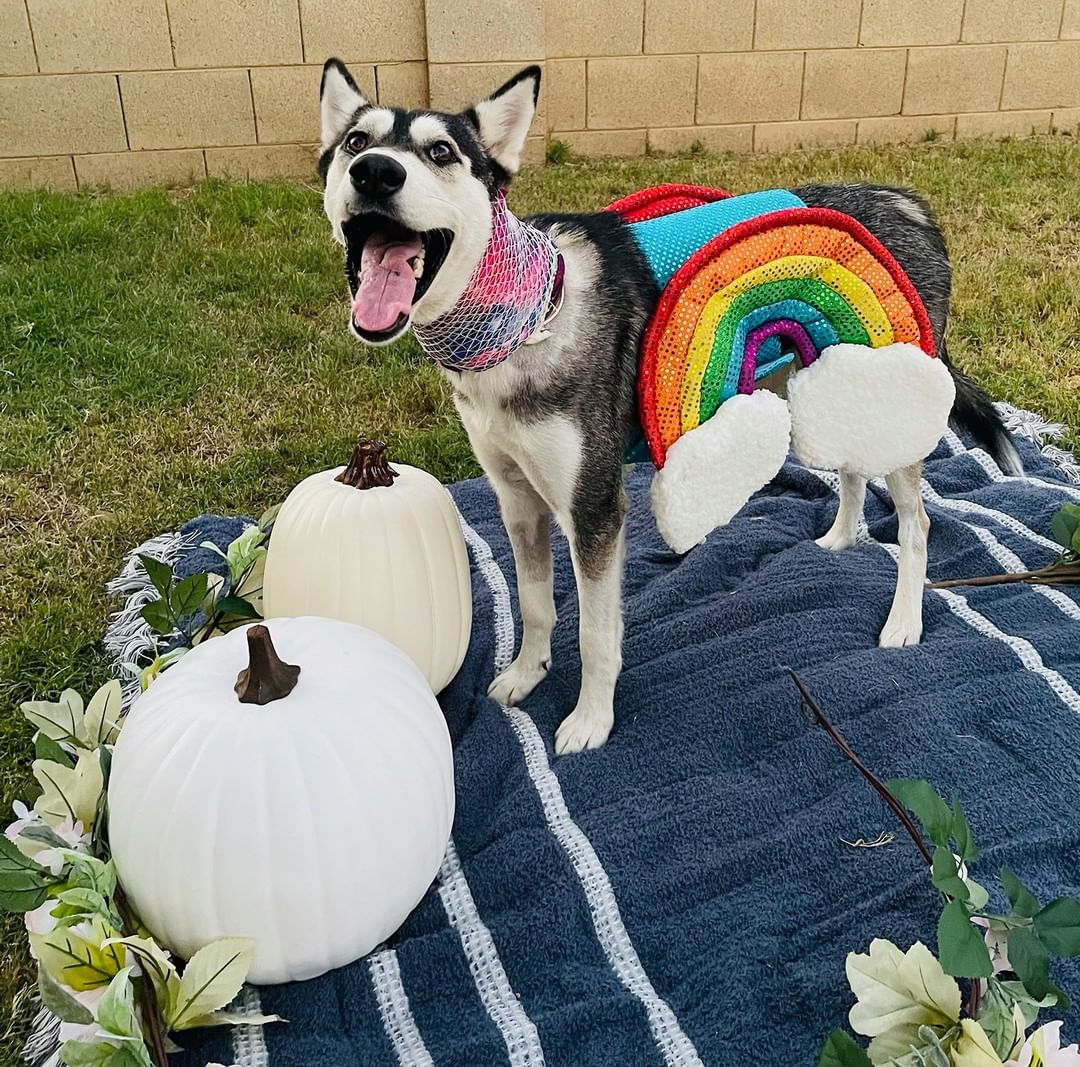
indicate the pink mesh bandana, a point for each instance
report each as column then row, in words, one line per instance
column 505, row 302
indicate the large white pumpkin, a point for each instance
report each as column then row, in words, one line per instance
column 381, row 547
column 312, row 823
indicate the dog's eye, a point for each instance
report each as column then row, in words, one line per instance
column 442, row 154
column 356, row 142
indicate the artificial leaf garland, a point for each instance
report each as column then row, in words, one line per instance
column 114, row 988
column 909, row 1003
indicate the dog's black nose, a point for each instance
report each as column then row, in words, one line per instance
column 377, row 176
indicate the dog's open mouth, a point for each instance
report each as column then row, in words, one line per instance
column 389, row 268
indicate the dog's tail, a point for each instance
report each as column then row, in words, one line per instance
column 974, row 412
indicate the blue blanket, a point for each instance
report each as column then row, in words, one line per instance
column 687, row 894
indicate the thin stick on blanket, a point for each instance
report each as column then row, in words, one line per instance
column 1055, row 574
column 821, row 719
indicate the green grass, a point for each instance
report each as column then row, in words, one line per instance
column 162, row 355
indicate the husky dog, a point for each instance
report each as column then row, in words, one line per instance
column 412, row 195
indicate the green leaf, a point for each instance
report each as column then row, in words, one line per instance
column 232, row 1018
column 972, row 1047
column 85, row 1054
column 69, row 793
column 1023, row 903
column 158, row 616
column 46, row 748
column 60, row 720
column 1058, row 926
column 266, row 519
column 237, row 605
column 1065, row 525
column 919, row 797
column 841, row 1050
column 155, row 963
column 60, row 1002
column 1001, row 1018
column 132, row 1054
column 116, row 1009
column 88, row 872
column 945, row 874
column 78, row 960
column 101, row 723
column 83, row 902
column 160, row 574
column 1019, row 996
column 897, row 988
column 978, row 897
column 44, row 834
column 961, row 834
column 1030, row 960
column 186, row 597
column 211, row 979
column 960, row 945
column 23, row 883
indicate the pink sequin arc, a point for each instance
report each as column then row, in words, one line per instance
column 505, row 302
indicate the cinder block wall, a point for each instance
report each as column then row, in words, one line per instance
column 138, row 92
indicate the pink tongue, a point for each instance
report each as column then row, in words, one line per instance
column 387, row 284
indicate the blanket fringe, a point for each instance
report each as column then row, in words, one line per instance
column 1040, row 432
column 42, row 1047
column 129, row 640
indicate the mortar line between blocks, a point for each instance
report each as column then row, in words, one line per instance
column 123, row 116
column 1061, row 20
column 251, row 97
column 300, row 26
column 33, row 45
column 1004, row 75
column 802, row 87
column 168, row 23
column 903, row 82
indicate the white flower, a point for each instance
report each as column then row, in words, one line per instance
column 24, row 817
column 40, row 920
column 73, row 836
column 71, row 833
column 1043, row 1049
column 996, row 945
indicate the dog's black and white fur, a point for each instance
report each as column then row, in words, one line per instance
column 549, row 425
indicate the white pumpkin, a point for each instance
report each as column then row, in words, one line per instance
column 380, row 547
column 312, row 823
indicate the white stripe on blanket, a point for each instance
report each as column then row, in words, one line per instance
column 394, row 1010
column 249, row 1045
column 677, row 1049
column 517, row 1029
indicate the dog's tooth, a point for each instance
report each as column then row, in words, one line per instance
column 418, row 268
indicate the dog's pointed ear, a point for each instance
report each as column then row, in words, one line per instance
column 339, row 99
column 503, row 120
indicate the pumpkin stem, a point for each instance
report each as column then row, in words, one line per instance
column 267, row 676
column 368, row 466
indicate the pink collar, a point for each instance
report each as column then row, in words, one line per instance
column 511, row 294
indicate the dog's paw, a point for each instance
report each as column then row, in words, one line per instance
column 901, row 631
column 836, row 540
column 518, row 681
column 583, row 728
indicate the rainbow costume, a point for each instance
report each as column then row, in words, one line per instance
column 749, row 284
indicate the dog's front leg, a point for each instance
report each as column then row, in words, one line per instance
column 528, row 522
column 597, row 540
